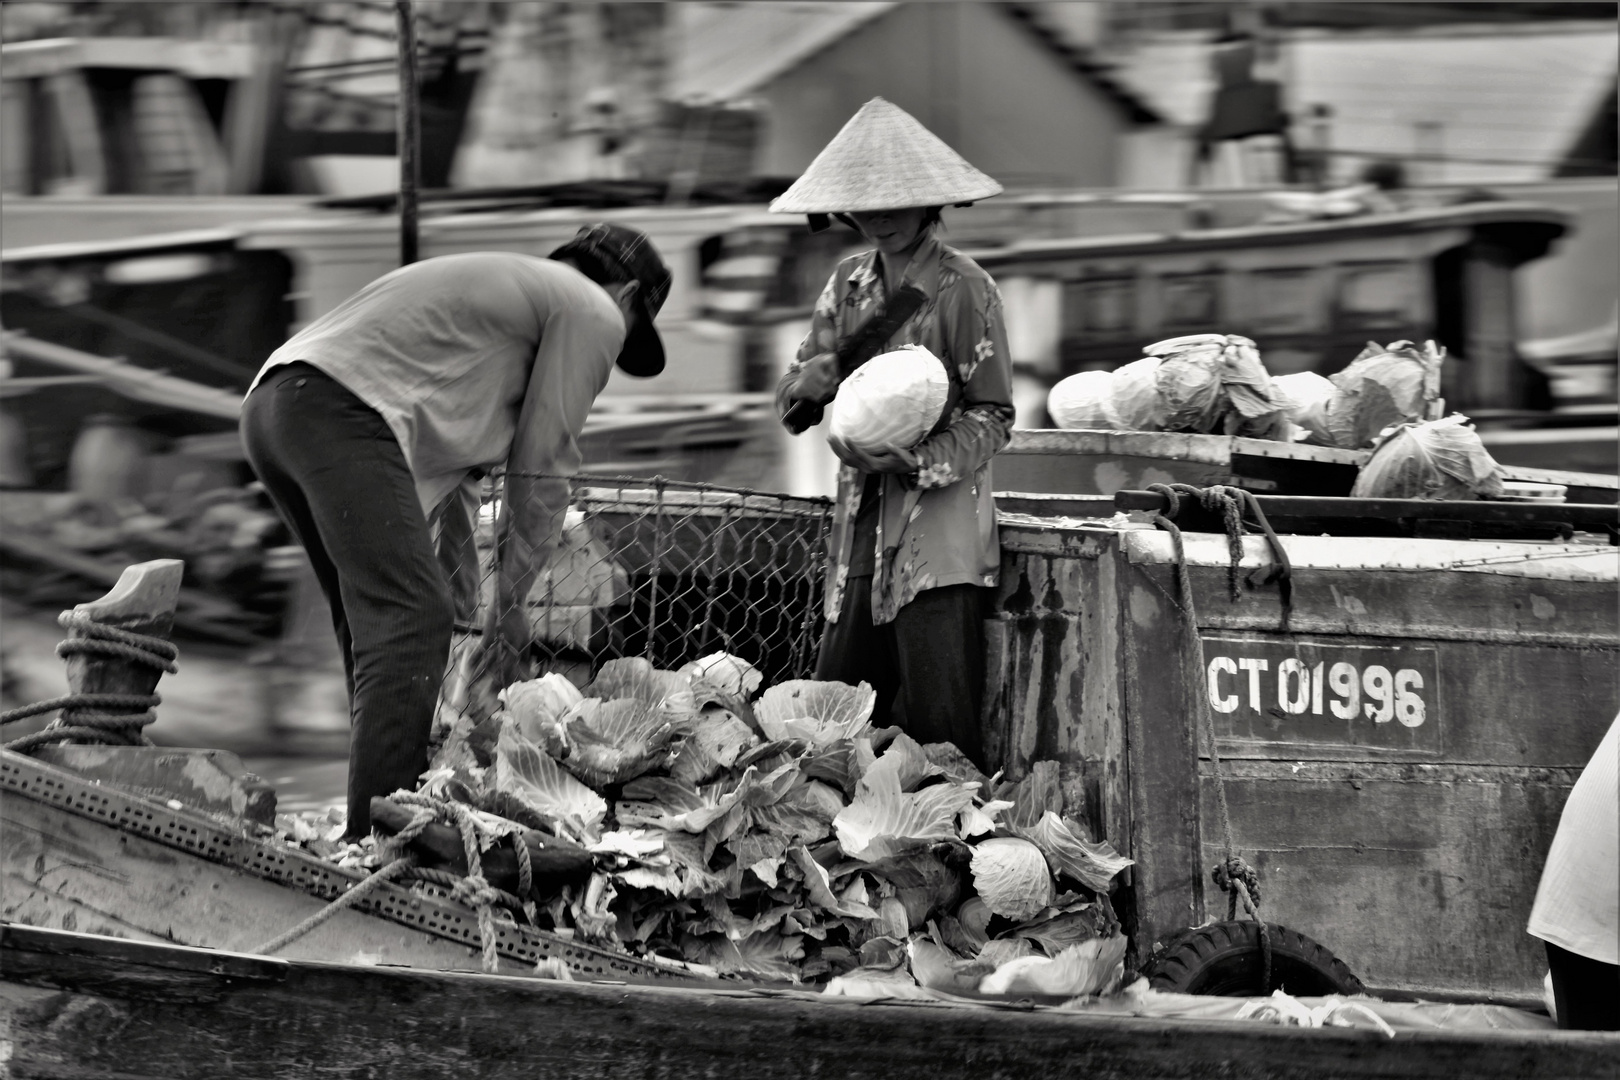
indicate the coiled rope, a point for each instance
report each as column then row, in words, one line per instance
column 114, row 719
column 1234, row 875
column 396, row 861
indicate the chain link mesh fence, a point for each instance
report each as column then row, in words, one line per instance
column 663, row 569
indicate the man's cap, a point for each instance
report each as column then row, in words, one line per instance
column 884, row 159
column 627, row 254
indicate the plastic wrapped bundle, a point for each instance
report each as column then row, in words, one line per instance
column 1080, row 402
column 1253, row 409
column 1398, row 384
column 1134, row 402
column 1304, row 397
column 1216, row 382
column 1189, row 382
column 891, row 402
column 1438, row 459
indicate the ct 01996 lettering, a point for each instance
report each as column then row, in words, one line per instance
column 1322, row 692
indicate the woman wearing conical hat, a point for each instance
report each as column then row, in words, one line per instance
column 914, row 546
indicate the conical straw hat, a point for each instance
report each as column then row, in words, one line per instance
column 883, row 159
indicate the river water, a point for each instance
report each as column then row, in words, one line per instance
column 289, row 724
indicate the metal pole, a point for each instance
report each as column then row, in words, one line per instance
column 409, row 134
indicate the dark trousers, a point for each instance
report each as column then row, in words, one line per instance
column 338, row 477
column 1586, row 992
column 927, row 666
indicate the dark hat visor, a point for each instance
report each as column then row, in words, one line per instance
column 643, row 352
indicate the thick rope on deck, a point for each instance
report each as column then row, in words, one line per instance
column 112, row 719
column 1236, row 877
column 474, row 890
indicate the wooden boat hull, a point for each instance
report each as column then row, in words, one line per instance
column 90, row 857
column 78, row 1005
column 1409, row 843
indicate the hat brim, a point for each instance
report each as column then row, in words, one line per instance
column 643, row 351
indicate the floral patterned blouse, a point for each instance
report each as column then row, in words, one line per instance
column 937, row 525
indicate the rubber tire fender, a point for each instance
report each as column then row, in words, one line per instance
column 1224, row 960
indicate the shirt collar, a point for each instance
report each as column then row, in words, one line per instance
column 922, row 271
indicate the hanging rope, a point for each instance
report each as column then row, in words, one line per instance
column 395, row 859
column 397, row 862
column 1235, row 876
column 115, row 719
column 392, row 870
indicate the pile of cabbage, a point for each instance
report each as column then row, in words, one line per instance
column 1217, row 384
column 1200, row 383
column 778, row 836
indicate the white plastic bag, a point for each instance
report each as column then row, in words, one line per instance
column 1189, row 382
column 891, row 402
column 1080, row 402
column 1438, row 459
column 1134, row 403
column 1304, row 397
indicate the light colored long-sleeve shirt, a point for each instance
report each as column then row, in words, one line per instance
column 1577, row 903
column 936, row 526
column 475, row 361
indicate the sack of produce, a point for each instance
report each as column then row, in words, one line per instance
column 1437, row 459
column 891, row 402
column 1304, row 397
column 1253, row 409
column 1134, row 403
column 1216, row 383
column 1397, row 384
column 1189, row 382
column 1080, row 402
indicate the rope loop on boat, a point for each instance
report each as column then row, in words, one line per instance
column 474, row 890
column 112, row 719
column 1231, row 503
column 1234, row 875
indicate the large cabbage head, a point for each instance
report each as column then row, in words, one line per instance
column 891, row 402
column 1080, row 402
column 1439, row 459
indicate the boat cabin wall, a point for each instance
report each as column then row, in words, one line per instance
column 1396, row 747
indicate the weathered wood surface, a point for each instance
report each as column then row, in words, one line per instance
column 83, row 856
column 1055, row 649
column 1411, row 849
column 142, row 601
column 81, row 1007
column 63, row 871
column 212, row 781
column 1416, row 876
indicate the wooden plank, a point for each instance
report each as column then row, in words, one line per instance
column 1483, row 604
column 72, row 1012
